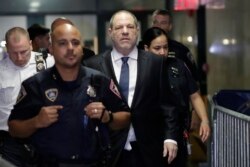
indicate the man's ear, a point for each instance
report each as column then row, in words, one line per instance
column 109, row 32
column 50, row 49
column 170, row 26
column 31, row 47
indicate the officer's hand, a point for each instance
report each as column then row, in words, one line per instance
column 95, row 110
column 47, row 116
column 170, row 151
column 204, row 131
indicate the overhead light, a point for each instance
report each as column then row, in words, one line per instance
column 35, row 4
column 190, row 39
column 225, row 41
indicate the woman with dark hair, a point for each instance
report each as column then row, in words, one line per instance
column 184, row 87
column 155, row 41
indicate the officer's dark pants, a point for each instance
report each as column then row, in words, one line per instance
column 13, row 151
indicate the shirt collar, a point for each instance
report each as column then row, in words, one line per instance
column 116, row 56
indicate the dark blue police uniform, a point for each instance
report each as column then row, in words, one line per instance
column 182, row 85
column 181, row 52
column 73, row 138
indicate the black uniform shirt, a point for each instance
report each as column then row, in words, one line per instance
column 73, row 136
column 180, row 51
column 182, row 85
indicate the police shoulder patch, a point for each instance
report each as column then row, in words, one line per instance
column 114, row 88
column 21, row 95
column 51, row 94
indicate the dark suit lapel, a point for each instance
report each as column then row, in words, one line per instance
column 141, row 72
column 108, row 66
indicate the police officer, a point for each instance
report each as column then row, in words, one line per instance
column 39, row 36
column 66, row 110
column 183, row 86
column 164, row 20
column 20, row 63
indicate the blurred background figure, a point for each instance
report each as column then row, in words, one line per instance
column 39, row 35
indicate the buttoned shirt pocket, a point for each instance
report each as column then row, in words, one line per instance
column 8, row 92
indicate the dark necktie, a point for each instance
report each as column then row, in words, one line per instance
column 124, row 77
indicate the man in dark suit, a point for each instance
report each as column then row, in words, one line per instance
column 153, row 131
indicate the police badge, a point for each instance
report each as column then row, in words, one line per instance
column 51, row 94
column 91, row 91
column 39, row 63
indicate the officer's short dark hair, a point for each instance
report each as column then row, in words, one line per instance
column 162, row 12
column 37, row 30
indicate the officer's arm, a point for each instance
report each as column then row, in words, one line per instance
column 200, row 109
column 25, row 128
column 117, row 120
column 22, row 128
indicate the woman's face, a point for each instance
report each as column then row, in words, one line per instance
column 158, row 46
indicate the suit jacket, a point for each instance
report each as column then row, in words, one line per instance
column 153, row 117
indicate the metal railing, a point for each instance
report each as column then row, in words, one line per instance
column 230, row 145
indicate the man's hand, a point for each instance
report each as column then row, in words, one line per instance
column 95, row 110
column 204, row 131
column 47, row 116
column 170, row 151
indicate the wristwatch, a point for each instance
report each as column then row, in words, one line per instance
column 111, row 118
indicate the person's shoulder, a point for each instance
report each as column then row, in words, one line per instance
column 30, row 80
column 41, row 76
column 96, row 59
column 93, row 59
column 148, row 55
column 90, row 71
column 176, row 44
column 4, row 62
column 87, row 53
column 174, row 61
column 6, row 70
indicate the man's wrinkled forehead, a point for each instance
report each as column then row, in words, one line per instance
column 123, row 17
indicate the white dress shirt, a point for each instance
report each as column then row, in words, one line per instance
column 132, row 62
column 11, row 77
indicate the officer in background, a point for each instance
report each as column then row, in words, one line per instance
column 20, row 63
column 39, row 36
column 184, row 87
column 164, row 20
column 66, row 110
